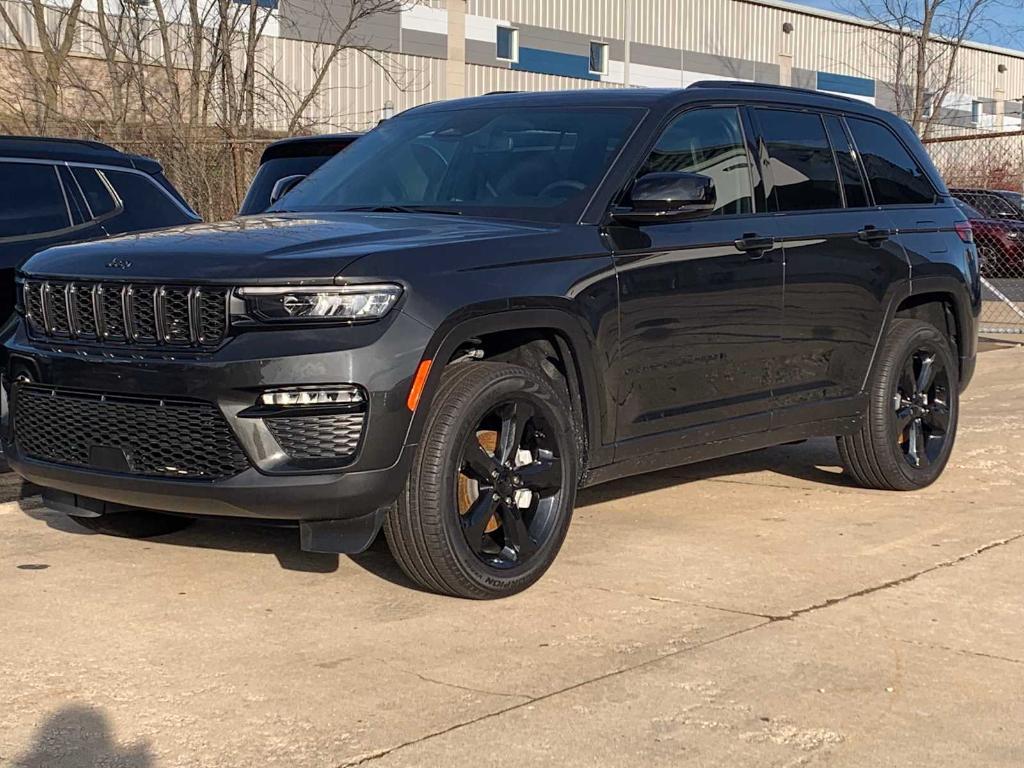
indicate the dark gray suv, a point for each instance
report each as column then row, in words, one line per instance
column 484, row 304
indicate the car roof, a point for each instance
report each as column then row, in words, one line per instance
column 665, row 99
column 309, row 146
column 73, row 151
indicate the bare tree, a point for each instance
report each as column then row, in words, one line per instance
column 45, row 49
column 920, row 43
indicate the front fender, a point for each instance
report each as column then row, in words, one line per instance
column 474, row 322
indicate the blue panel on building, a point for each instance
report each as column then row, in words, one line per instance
column 554, row 63
column 856, row 86
column 260, row 3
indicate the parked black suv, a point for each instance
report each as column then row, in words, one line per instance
column 483, row 304
column 55, row 191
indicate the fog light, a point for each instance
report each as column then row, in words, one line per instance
column 298, row 396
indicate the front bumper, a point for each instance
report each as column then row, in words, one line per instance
column 380, row 357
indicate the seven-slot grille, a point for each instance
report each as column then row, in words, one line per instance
column 163, row 315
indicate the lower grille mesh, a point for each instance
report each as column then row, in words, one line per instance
column 330, row 436
column 152, row 437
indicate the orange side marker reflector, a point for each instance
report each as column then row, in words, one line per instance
column 418, row 382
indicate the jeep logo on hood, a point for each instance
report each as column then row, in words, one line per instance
column 118, row 264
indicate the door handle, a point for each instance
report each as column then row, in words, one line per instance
column 755, row 245
column 873, row 234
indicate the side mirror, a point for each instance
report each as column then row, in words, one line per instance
column 668, row 196
column 284, row 185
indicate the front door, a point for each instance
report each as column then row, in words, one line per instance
column 700, row 300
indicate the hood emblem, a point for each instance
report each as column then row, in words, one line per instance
column 118, row 264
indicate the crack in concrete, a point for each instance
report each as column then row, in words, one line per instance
column 768, row 620
column 469, row 689
column 529, row 701
column 898, row 581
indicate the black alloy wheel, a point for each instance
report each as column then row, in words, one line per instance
column 509, row 478
column 490, row 494
column 906, row 433
column 922, row 407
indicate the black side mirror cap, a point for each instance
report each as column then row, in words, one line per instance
column 284, row 185
column 668, row 196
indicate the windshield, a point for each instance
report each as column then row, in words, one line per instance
column 969, row 212
column 1017, row 199
column 529, row 163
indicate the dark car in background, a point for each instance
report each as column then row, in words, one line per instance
column 993, row 203
column 55, row 191
column 487, row 303
column 1000, row 242
column 286, row 162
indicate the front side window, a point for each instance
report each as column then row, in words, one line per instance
column 599, row 58
column 533, row 163
column 803, row 169
column 507, row 44
column 895, row 177
column 709, row 142
column 31, row 200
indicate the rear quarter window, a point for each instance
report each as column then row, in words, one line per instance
column 896, row 178
column 146, row 205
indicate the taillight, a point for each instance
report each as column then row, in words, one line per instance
column 965, row 231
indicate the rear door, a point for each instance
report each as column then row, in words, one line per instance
column 841, row 260
column 700, row 300
column 900, row 186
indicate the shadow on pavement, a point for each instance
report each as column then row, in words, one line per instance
column 79, row 736
column 815, row 461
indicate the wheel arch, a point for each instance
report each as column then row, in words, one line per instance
column 946, row 305
column 524, row 336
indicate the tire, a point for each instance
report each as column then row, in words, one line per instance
column 479, row 518
column 907, row 433
column 135, row 524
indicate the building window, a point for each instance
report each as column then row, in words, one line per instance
column 508, row 44
column 929, row 105
column 599, row 58
column 975, row 113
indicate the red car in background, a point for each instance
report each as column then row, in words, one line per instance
column 1000, row 242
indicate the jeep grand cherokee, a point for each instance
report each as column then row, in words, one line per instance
column 485, row 304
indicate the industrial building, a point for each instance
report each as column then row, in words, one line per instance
column 453, row 48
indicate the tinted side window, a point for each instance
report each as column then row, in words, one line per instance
column 146, row 206
column 846, row 159
column 803, row 169
column 31, row 200
column 709, row 142
column 97, row 193
column 894, row 175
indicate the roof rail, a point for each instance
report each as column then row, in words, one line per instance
column 769, row 86
column 500, row 93
column 59, row 140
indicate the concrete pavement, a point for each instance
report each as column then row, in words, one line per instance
column 752, row 611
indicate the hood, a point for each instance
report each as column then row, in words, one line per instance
column 292, row 247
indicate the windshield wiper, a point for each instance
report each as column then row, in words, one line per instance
column 402, row 209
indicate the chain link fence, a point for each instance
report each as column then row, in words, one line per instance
column 986, row 174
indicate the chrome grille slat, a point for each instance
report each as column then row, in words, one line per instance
column 120, row 314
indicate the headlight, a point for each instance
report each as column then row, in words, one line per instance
column 320, row 302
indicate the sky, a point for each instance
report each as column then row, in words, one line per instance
column 1006, row 29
